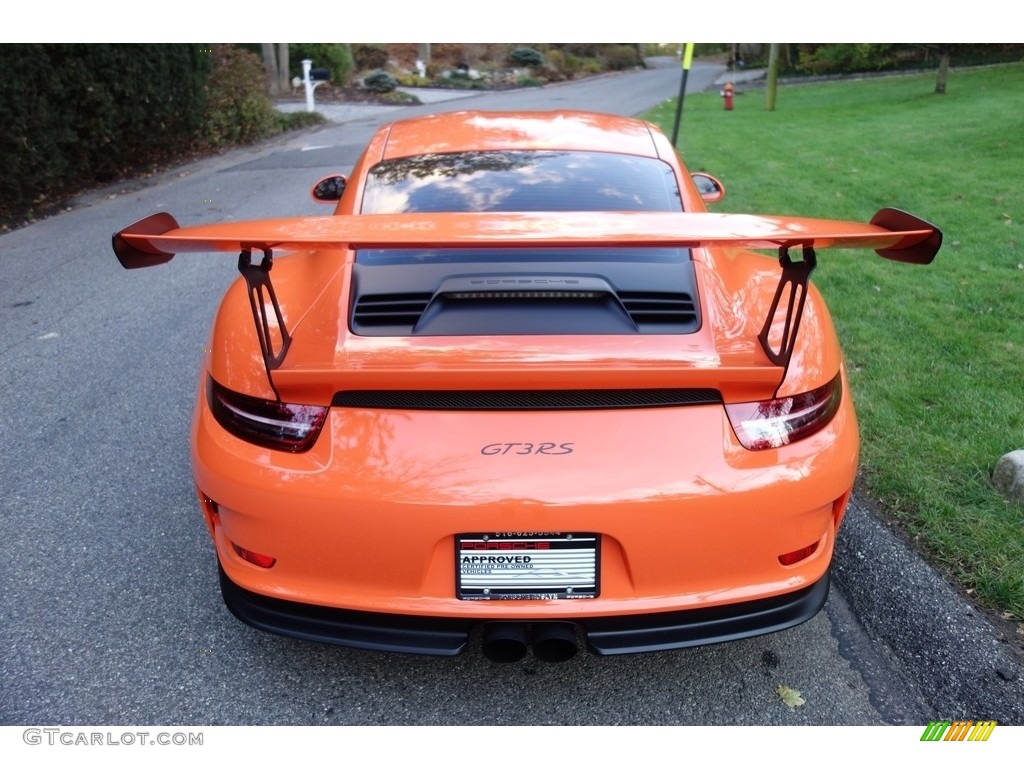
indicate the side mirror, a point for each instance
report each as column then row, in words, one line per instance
column 329, row 189
column 711, row 189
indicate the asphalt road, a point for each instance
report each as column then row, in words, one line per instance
column 109, row 606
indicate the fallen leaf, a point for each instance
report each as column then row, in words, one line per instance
column 789, row 696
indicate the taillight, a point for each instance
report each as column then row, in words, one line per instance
column 774, row 423
column 270, row 423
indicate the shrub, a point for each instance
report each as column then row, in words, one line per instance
column 709, row 49
column 525, row 57
column 548, row 74
column 619, row 57
column 75, row 115
column 565, row 64
column 334, row 56
column 573, row 64
column 380, row 82
column 238, row 109
column 290, row 121
column 582, row 50
column 460, row 80
column 370, row 57
column 399, row 98
column 413, row 81
column 846, row 57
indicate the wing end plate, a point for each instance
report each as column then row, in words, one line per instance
column 917, row 251
column 137, row 257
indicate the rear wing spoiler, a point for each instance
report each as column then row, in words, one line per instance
column 891, row 233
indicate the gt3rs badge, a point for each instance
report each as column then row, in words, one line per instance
column 527, row 449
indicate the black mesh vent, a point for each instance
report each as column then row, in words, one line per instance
column 402, row 309
column 525, row 400
column 649, row 308
column 652, row 312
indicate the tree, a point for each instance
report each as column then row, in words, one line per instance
column 943, row 75
column 773, row 77
column 283, row 66
column 270, row 68
column 276, row 67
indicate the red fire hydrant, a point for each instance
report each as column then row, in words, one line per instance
column 727, row 96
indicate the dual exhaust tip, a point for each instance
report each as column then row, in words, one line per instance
column 508, row 641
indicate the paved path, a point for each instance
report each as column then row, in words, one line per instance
column 343, row 113
column 710, row 76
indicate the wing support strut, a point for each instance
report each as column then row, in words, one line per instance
column 793, row 282
column 257, row 279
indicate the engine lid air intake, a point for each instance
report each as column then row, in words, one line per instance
column 524, row 303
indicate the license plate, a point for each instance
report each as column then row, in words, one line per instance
column 521, row 566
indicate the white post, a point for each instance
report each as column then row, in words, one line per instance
column 307, row 64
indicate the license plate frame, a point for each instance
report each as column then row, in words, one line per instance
column 527, row 566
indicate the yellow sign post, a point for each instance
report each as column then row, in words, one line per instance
column 687, row 59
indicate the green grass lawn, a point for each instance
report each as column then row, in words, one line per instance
column 936, row 353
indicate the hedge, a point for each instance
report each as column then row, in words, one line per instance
column 84, row 114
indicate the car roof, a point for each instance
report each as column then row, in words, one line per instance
column 491, row 131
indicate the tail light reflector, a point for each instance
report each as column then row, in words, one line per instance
column 794, row 557
column 263, row 561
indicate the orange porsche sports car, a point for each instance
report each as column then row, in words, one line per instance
column 521, row 383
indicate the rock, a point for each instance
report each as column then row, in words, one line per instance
column 1008, row 476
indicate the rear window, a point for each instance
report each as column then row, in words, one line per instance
column 520, row 181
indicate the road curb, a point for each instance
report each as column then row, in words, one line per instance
column 964, row 666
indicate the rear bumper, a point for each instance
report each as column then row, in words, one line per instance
column 604, row 636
